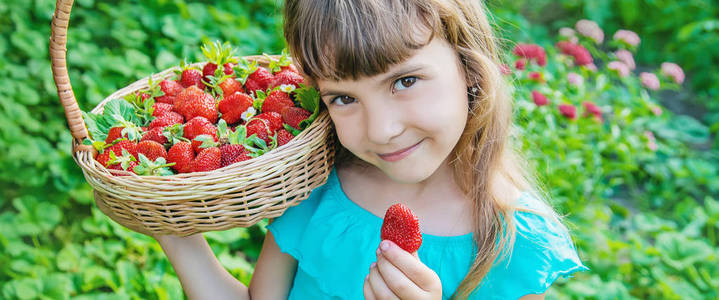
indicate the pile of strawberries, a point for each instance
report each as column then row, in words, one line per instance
column 229, row 111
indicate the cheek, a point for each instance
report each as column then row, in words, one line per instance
column 347, row 131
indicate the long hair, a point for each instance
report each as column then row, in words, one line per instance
column 334, row 39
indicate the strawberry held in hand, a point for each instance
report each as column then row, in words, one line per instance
column 401, row 226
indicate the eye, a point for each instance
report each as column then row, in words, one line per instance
column 404, row 83
column 342, row 100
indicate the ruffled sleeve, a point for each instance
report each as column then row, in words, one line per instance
column 543, row 251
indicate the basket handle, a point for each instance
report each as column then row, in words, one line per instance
column 58, row 42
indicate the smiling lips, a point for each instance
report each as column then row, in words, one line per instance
column 397, row 155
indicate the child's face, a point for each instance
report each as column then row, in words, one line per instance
column 406, row 121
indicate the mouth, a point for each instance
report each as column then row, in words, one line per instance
column 397, row 155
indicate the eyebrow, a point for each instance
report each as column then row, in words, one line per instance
column 399, row 72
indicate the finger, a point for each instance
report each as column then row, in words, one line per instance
column 397, row 281
column 378, row 286
column 367, row 289
column 410, row 265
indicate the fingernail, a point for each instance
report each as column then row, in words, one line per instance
column 378, row 251
column 384, row 245
column 372, row 265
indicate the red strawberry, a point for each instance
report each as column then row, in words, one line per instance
column 274, row 120
column 210, row 68
column 114, row 133
column 294, row 115
column 207, row 130
column 195, row 127
column 401, row 226
column 161, row 109
column 260, row 79
column 276, row 101
column 207, row 160
column 233, row 105
column 290, row 68
column 182, row 155
column 230, row 86
column 192, row 102
column 260, row 128
column 151, row 150
column 232, row 153
column 171, row 89
column 167, row 119
column 287, row 77
column 190, row 77
column 118, row 166
column 127, row 145
column 283, row 137
column 155, row 134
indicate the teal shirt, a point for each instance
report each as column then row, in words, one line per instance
column 334, row 242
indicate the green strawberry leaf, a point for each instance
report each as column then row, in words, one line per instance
column 291, row 129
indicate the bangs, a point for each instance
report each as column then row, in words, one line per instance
column 336, row 39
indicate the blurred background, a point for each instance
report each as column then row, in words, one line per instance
column 637, row 178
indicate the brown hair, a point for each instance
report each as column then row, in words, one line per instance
column 351, row 39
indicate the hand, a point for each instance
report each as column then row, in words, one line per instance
column 397, row 274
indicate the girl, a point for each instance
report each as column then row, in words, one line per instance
column 422, row 117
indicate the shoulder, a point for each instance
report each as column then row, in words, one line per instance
column 542, row 252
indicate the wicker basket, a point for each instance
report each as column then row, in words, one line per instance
column 238, row 195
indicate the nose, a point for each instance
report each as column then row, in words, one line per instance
column 384, row 120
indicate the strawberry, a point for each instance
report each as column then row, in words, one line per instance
column 274, row 120
column 232, row 153
column 283, row 137
column 230, row 86
column 276, row 101
column 192, row 102
column 191, row 77
column 114, row 133
column 232, row 106
column 288, row 78
column 401, row 226
column 290, row 68
column 207, row 160
column 161, row 109
column 127, row 145
column 155, row 134
column 152, row 150
column 208, row 131
column 171, row 89
column 260, row 128
column 167, row 119
column 210, row 68
column 260, row 79
column 182, row 155
column 294, row 115
column 195, row 127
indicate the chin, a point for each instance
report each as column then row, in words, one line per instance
column 408, row 172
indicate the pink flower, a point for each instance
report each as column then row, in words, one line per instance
column 657, row 110
column 568, row 34
column 520, row 64
column 575, row 79
column 651, row 141
column 590, row 29
column 592, row 109
column 619, row 67
column 581, row 55
column 504, row 68
column 591, row 67
column 649, row 80
column 539, row 98
column 531, row 52
column 627, row 36
column 536, row 76
column 568, row 111
column 674, row 71
column 626, row 57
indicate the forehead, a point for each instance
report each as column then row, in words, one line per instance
column 432, row 57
